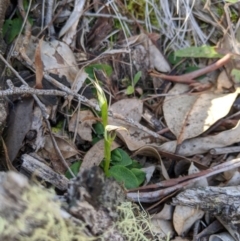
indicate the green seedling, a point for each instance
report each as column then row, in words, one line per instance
column 123, row 169
column 130, row 88
column 108, row 135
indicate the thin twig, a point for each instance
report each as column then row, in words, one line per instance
column 58, row 150
column 189, row 78
column 28, row 90
column 180, row 183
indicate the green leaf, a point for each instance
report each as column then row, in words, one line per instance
column 140, row 175
column 124, row 175
column 130, row 90
column 235, row 73
column 135, row 164
column 11, row 29
column 75, row 169
column 198, row 52
column 116, row 155
column 173, row 59
column 58, row 128
column 104, row 67
column 98, row 128
column 137, row 77
column 120, row 157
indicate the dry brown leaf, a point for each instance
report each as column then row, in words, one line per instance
column 19, row 123
column 130, row 108
column 223, row 82
column 38, row 65
column 221, row 237
column 35, row 137
column 67, row 148
column 165, row 214
column 79, row 80
column 70, row 27
column 84, row 126
column 203, row 182
column 150, row 56
column 6, row 161
column 151, row 151
column 188, row 116
column 162, row 228
column 184, row 218
column 57, row 57
column 204, row 144
column 149, row 172
column 96, row 154
column 234, row 180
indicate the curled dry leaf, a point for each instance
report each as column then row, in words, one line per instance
column 96, row 154
column 188, row 116
column 151, row 151
column 185, row 217
column 203, row 144
column 82, row 122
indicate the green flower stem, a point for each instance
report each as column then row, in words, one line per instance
column 107, row 155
